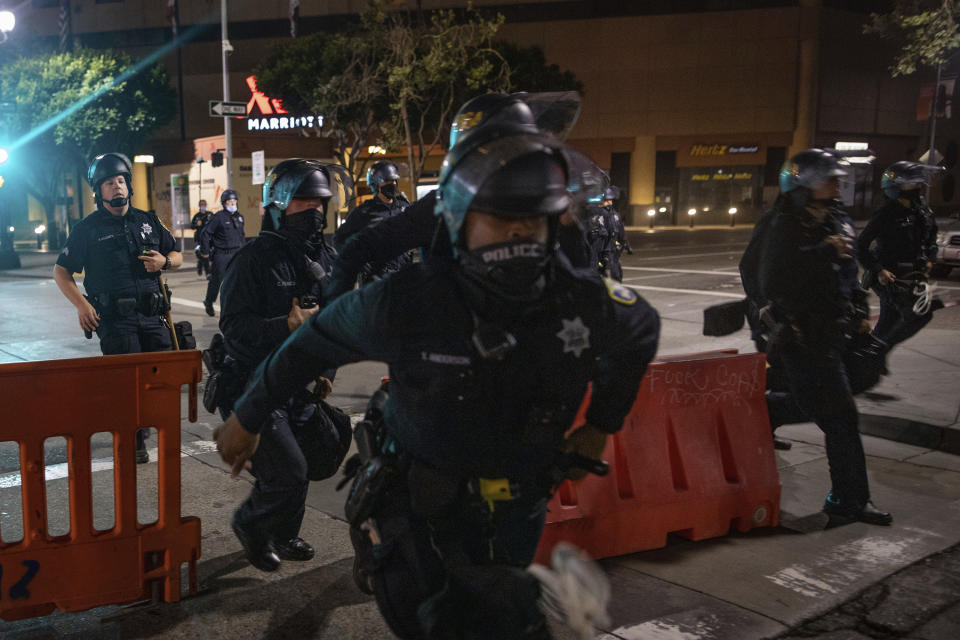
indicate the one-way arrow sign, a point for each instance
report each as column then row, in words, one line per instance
column 221, row 109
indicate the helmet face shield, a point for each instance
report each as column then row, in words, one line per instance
column 286, row 179
column 907, row 176
column 511, row 192
column 588, row 184
column 555, row 112
column 810, row 169
column 552, row 112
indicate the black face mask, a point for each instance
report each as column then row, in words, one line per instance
column 508, row 270
column 118, row 202
column 389, row 190
column 303, row 224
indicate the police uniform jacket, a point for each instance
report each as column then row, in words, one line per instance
column 198, row 222
column 224, row 231
column 107, row 247
column 902, row 234
column 258, row 290
column 599, row 234
column 372, row 213
column 453, row 409
column 804, row 278
column 417, row 227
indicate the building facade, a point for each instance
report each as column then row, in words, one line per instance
column 691, row 106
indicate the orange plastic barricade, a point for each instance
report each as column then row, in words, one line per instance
column 75, row 399
column 694, row 457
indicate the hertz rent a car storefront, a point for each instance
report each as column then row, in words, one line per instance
column 714, row 178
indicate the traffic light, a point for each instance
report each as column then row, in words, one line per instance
column 216, row 158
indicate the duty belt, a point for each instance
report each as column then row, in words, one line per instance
column 149, row 304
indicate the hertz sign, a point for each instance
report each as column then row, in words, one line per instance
column 722, row 149
column 267, row 114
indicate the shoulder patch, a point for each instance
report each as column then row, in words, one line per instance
column 619, row 293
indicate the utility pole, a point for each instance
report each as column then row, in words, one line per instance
column 931, row 154
column 225, row 49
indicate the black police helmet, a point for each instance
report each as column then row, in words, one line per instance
column 611, row 193
column 500, row 111
column 903, row 174
column 293, row 178
column 809, row 169
column 228, row 194
column 511, row 176
column 107, row 165
column 531, row 185
column 380, row 172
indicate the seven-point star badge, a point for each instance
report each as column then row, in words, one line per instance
column 575, row 336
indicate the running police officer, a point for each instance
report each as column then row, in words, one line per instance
column 476, row 411
column 808, row 273
column 201, row 218
column 121, row 251
column 387, row 202
column 272, row 286
column 219, row 240
column 905, row 233
column 417, row 227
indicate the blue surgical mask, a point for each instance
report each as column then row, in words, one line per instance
column 203, row 208
column 232, row 208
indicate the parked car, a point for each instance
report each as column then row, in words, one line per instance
column 948, row 249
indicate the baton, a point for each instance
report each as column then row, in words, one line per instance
column 166, row 299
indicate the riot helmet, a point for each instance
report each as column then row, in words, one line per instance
column 492, row 111
column 905, row 176
column 611, row 193
column 380, row 172
column 228, row 194
column 306, row 179
column 518, row 177
column 588, row 183
column 809, row 169
column 107, row 165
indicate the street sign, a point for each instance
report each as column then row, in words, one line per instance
column 221, row 109
column 258, row 172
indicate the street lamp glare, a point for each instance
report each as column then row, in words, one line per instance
column 4, row 155
column 7, row 21
column 691, row 212
column 732, row 210
column 651, row 213
column 663, row 209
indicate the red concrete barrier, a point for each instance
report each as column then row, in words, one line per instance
column 694, row 457
column 75, row 399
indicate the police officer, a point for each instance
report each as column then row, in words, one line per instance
column 201, row 218
column 808, row 273
column 905, row 233
column 600, row 237
column 387, row 202
column 417, row 227
column 219, row 240
column 474, row 405
column 618, row 234
column 271, row 287
column 121, row 251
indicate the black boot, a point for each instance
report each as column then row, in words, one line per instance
column 208, row 307
column 841, row 515
column 256, row 546
column 294, row 549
